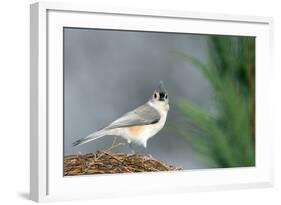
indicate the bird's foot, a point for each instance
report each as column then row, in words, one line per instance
column 147, row 156
column 132, row 153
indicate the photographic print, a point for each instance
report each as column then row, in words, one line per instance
column 140, row 101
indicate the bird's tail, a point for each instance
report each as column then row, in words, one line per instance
column 91, row 137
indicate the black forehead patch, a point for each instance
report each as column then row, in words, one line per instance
column 162, row 95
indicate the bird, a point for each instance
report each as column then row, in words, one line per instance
column 138, row 125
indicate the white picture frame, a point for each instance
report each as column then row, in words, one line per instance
column 46, row 161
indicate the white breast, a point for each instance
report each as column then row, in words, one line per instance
column 151, row 130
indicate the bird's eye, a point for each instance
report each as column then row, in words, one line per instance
column 166, row 97
column 155, row 95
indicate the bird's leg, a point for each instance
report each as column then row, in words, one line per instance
column 131, row 147
column 147, row 155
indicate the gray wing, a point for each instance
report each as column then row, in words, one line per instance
column 143, row 115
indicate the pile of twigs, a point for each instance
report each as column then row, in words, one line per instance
column 107, row 162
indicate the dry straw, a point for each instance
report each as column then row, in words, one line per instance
column 107, row 162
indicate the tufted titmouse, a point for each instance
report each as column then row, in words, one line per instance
column 138, row 125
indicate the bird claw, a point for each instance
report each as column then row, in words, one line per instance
column 147, row 157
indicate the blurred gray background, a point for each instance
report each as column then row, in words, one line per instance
column 108, row 73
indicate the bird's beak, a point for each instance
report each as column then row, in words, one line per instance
column 162, row 96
